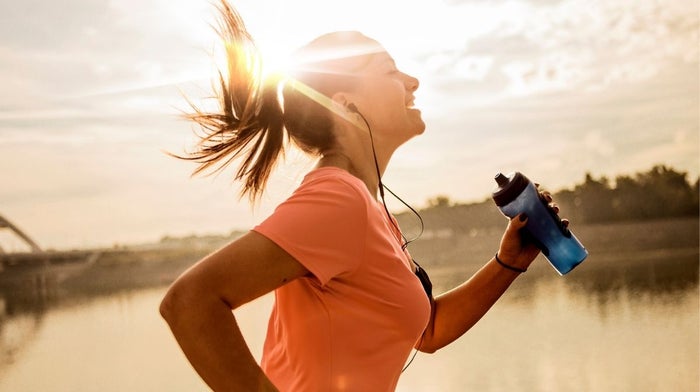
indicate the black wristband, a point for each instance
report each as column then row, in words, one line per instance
column 510, row 267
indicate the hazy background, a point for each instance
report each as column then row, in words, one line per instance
column 91, row 94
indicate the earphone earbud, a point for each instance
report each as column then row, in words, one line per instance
column 352, row 108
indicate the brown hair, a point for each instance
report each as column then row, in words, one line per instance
column 250, row 123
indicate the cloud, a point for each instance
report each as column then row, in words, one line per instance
column 574, row 44
column 598, row 145
column 51, row 26
column 552, row 88
column 533, row 2
column 74, row 47
column 557, row 137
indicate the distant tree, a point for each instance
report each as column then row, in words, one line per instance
column 439, row 201
column 593, row 198
column 625, row 198
column 657, row 193
column 671, row 190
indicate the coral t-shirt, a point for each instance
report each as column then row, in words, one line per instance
column 352, row 324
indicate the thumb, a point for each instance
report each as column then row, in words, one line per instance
column 518, row 222
column 512, row 241
column 512, row 235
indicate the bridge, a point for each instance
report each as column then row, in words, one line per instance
column 38, row 262
column 6, row 224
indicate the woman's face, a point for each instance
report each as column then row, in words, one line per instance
column 360, row 69
column 385, row 97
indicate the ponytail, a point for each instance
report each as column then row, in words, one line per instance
column 249, row 124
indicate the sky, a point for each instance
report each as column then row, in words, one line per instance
column 92, row 91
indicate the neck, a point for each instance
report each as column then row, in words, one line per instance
column 360, row 164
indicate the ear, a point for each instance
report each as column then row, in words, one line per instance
column 343, row 106
column 344, row 102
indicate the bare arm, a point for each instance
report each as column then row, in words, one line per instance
column 457, row 310
column 198, row 308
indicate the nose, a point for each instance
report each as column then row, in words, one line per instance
column 411, row 83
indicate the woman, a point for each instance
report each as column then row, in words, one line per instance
column 350, row 304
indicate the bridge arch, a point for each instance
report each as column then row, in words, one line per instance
column 6, row 224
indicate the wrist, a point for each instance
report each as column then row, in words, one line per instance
column 507, row 265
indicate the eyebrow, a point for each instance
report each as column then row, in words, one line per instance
column 386, row 58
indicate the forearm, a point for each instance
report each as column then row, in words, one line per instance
column 457, row 310
column 209, row 336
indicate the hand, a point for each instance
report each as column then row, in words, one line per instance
column 516, row 251
column 513, row 250
column 547, row 198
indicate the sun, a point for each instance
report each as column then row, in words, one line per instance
column 275, row 58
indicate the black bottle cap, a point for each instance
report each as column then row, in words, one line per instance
column 509, row 187
column 501, row 180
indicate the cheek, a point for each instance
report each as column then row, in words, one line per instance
column 386, row 102
column 395, row 106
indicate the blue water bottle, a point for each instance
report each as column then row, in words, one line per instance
column 516, row 194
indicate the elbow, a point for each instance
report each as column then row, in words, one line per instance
column 167, row 307
column 427, row 348
column 187, row 299
column 427, row 344
column 175, row 303
column 430, row 342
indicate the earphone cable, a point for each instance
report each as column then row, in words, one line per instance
column 405, row 241
column 381, row 193
column 422, row 224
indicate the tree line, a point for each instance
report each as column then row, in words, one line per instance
column 661, row 192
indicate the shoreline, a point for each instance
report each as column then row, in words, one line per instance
column 641, row 253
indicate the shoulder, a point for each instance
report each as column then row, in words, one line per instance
column 333, row 176
column 331, row 184
column 323, row 224
column 328, row 196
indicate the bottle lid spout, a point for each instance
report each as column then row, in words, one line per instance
column 501, row 180
column 509, row 187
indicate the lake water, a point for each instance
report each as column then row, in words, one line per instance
column 585, row 333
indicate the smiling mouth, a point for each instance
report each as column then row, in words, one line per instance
column 412, row 107
column 410, row 102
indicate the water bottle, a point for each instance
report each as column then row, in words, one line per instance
column 516, row 194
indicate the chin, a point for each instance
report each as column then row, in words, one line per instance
column 420, row 128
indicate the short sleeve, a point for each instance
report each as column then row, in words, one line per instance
column 322, row 225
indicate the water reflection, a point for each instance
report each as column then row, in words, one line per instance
column 602, row 330
column 623, row 327
column 15, row 334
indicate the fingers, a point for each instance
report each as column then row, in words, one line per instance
column 514, row 245
column 547, row 198
column 518, row 222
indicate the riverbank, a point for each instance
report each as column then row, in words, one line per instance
column 630, row 253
